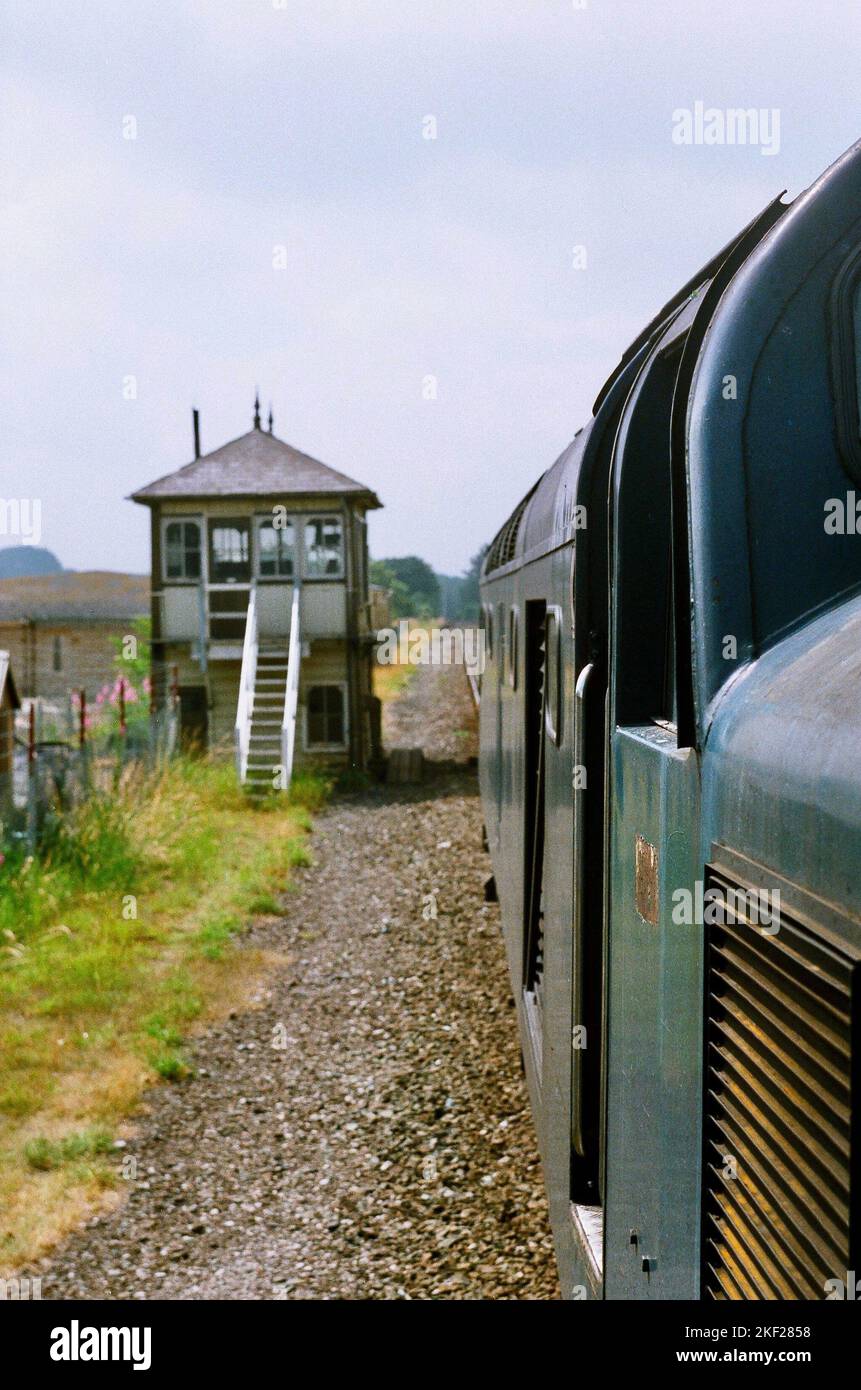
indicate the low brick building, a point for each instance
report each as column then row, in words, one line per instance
column 60, row 630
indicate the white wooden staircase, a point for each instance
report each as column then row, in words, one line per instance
column 264, row 767
column 265, row 732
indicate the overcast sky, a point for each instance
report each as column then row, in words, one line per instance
column 301, row 124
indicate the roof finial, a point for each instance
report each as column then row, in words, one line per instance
column 271, row 421
column 257, row 409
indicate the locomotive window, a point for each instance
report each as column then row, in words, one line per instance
column 552, row 703
column 499, row 629
column 487, row 614
column 513, row 630
column 846, row 361
column 856, row 326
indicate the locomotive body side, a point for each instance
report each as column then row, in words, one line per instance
column 779, row 725
column 668, row 714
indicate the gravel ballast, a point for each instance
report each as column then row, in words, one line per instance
column 363, row 1132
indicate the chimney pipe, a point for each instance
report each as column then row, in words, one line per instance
column 195, row 415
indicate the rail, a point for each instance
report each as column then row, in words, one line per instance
column 291, row 690
column 247, row 675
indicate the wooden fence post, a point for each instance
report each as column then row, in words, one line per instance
column 153, row 718
column 32, row 779
column 121, row 711
column 83, row 751
column 174, row 710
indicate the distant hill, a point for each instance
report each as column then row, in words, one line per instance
column 18, row 561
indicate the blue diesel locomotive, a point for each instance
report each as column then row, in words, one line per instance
column 671, row 779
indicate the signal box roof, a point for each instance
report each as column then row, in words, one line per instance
column 257, row 464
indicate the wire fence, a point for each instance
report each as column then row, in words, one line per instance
column 66, row 750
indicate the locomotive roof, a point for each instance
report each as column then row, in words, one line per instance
column 695, row 283
column 541, row 512
column 542, row 516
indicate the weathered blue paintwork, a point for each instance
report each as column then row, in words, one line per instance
column 705, row 474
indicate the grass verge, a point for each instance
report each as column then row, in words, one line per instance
column 391, row 681
column 116, row 942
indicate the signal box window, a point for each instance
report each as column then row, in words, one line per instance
column 182, row 550
column 229, row 547
column 326, row 716
column 324, row 548
column 276, row 549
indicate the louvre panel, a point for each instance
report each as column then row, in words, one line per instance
column 504, row 545
column 778, row 1100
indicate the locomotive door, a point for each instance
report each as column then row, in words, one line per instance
column 535, row 708
column 654, row 1036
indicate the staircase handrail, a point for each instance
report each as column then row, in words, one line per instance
column 247, row 675
column 291, row 689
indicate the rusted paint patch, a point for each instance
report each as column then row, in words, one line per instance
column 646, row 881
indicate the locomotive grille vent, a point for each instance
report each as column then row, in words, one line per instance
column 504, row 543
column 777, row 1201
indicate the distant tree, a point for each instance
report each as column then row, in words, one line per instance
column 450, row 586
column 418, row 595
column 380, row 573
column 460, row 601
column 470, row 601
